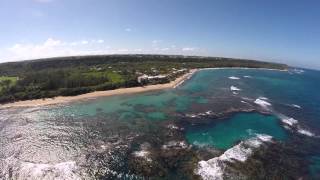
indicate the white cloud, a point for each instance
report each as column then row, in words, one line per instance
column 84, row 42
column 188, row 49
column 100, row 41
column 74, row 43
column 137, row 50
column 128, row 29
column 52, row 42
column 53, row 48
column 164, row 49
column 123, row 50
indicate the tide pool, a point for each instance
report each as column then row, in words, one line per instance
column 226, row 133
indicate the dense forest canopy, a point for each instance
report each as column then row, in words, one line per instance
column 81, row 74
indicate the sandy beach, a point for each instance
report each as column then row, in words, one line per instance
column 93, row 95
column 65, row 99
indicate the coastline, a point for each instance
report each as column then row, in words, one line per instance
column 66, row 99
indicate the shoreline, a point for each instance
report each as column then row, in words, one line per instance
column 92, row 95
column 121, row 91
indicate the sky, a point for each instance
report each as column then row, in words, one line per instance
column 286, row 31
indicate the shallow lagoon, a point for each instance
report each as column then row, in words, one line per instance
column 226, row 133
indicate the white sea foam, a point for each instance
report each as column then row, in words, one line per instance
column 213, row 169
column 234, row 78
column 296, row 106
column 263, row 98
column 179, row 84
column 199, row 114
column 64, row 170
column 247, row 76
column 175, row 145
column 142, row 154
column 293, row 124
column 298, row 71
column 264, row 137
column 244, row 102
column 262, row 102
column 289, row 121
column 192, row 115
column 172, row 126
column 205, row 113
column 187, row 77
column 305, row 132
column 120, row 175
column 233, row 88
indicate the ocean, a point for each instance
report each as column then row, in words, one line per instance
column 219, row 124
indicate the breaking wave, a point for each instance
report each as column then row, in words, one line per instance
column 198, row 115
column 233, row 88
column 234, row 78
column 293, row 124
column 142, row 154
column 213, row 169
column 262, row 101
column 296, row 106
column 289, row 121
column 305, row 132
column 64, row 170
column 29, row 170
column 297, row 71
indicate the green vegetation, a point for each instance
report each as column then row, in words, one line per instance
column 7, row 82
column 67, row 76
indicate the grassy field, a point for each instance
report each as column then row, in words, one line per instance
column 112, row 77
column 115, row 77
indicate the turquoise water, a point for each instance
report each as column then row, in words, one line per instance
column 226, row 133
column 210, row 90
column 315, row 166
column 80, row 129
column 149, row 104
